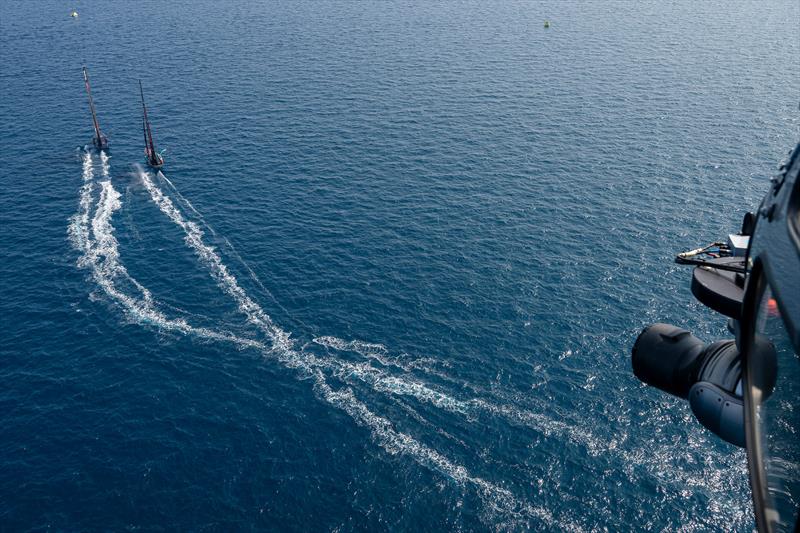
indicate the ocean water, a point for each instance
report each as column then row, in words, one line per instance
column 391, row 273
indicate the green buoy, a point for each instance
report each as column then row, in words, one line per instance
column 546, row 23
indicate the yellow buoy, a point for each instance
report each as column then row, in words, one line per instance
column 546, row 23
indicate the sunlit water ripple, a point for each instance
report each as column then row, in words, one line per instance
column 390, row 276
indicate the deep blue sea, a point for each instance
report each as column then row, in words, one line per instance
column 391, row 273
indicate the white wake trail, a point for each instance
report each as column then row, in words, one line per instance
column 78, row 228
column 94, row 238
column 282, row 343
column 231, row 248
column 186, row 201
column 225, row 280
column 100, row 254
column 394, row 442
column 105, row 170
column 193, row 236
column 379, row 380
column 366, row 349
column 381, row 429
column 105, row 165
column 376, row 378
column 379, row 353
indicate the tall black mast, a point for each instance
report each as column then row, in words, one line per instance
column 99, row 139
column 148, row 133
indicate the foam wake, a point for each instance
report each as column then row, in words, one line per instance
column 94, row 238
column 382, row 381
column 78, row 228
column 188, row 205
column 382, row 430
column 379, row 353
column 498, row 499
column 281, row 341
column 376, row 378
column 311, row 366
column 225, row 280
column 367, row 349
column 282, row 344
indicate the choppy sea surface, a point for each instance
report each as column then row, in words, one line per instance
column 391, row 272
